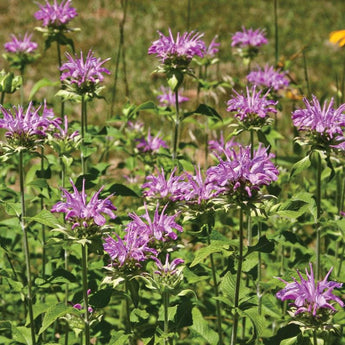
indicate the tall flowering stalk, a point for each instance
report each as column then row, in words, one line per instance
column 323, row 129
column 86, row 219
column 175, row 56
column 82, row 78
column 252, row 109
column 240, row 178
column 26, row 129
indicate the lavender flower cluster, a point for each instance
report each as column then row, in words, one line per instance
column 241, row 175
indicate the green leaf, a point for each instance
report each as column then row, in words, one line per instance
column 257, row 320
column 68, row 96
column 263, row 246
column 41, row 83
column 39, row 183
column 204, row 252
column 101, row 298
column 22, row 335
column 175, row 79
column 62, row 273
column 119, row 338
column 119, row 189
column 204, row 109
column 299, row 166
column 227, row 286
column 53, row 313
column 45, row 217
column 201, row 327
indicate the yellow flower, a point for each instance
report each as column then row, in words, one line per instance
column 337, row 37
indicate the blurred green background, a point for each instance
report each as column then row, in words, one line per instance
column 302, row 25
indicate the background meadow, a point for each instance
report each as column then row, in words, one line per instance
column 66, row 282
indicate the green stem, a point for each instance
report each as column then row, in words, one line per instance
column 258, row 287
column 177, row 125
column 165, row 297
column 85, row 295
column 238, row 281
column 118, row 56
column 250, row 230
column 127, row 318
column 62, row 111
column 2, row 97
column 306, row 76
column 314, row 337
column 276, row 32
column 22, row 87
column 83, row 127
column 44, row 260
column 318, row 214
column 26, row 247
column 66, row 254
column 189, row 5
column 216, row 292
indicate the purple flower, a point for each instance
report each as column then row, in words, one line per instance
column 197, row 189
column 159, row 187
column 82, row 213
column 159, row 228
column 310, row 297
column 240, row 175
column 135, row 126
column 212, row 48
column 167, row 97
column 269, row 78
column 56, row 15
column 19, row 45
column 168, row 268
column 24, row 127
column 249, row 38
column 86, row 74
column 251, row 107
column 62, row 133
column 179, row 51
column 150, row 143
column 130, row 251
column 327, row 121
column 220, row 146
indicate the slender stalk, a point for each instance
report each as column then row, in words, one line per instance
column 44, row 260
column 22, row 87
column 258, row 287
column 177, row 125
column 216, row 292
column 26, row 247
column 165, row 297
column 318, row 213
column 188, row 14
column 66, row 253
column 314, row 337
column 343, row 83
column 127, row 311
column 250, row 230
column 62, row 111
column 120, row 53
column 238, row 281
column 2, row 97
column 83, row 111
column 85, row 295
column 306, row 76
column 276, row 32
